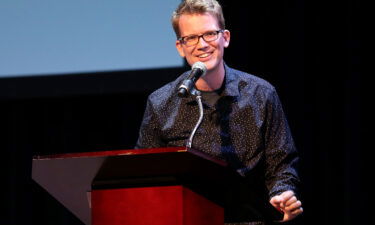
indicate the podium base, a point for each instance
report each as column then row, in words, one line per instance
column 166, row 205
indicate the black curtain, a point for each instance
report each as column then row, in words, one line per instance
column 309, row 50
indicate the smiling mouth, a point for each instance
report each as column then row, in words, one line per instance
column 205, row 55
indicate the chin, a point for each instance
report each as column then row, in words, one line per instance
column 211, row 65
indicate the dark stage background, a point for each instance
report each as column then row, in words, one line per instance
column 309, row 50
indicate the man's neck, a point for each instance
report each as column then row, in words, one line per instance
column 212, row 80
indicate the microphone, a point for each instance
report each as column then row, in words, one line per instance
column 197, row 70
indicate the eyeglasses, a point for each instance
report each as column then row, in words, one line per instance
column 194, row 39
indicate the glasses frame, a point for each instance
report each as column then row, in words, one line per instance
column 182, row 41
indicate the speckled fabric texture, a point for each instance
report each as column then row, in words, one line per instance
column 246, row 127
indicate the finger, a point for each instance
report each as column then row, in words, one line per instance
column 291, row 215
column 276, row 199
column 292, row 200
column 297, row 211
column 293, row 206
column 287, row 195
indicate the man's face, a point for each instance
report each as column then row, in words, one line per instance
column 210, row 53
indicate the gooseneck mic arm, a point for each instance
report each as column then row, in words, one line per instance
column 198, row 98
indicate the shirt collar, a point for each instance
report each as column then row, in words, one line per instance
column 230, row 82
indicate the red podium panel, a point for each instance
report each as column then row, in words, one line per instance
column 169, row 205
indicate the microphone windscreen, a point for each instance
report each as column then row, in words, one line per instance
column 201, row 66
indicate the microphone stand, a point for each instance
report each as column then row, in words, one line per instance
column 198, row 98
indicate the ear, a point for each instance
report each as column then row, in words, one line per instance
column 226, row 36
column 180, row 48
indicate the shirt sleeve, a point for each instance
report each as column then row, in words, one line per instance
column 280, row 151
column 149, row 133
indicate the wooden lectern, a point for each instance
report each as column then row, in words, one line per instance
column 163, row 186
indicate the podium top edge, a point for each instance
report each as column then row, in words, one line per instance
column 112, row 153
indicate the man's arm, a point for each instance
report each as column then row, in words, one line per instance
column 149, row 132
column 281, row 160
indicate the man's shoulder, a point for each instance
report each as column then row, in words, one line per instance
column 166, row 92
column 247, row 81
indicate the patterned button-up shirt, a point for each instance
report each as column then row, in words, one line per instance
column 246, row 127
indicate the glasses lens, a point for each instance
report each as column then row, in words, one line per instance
column 191, row 40
column 210, row 36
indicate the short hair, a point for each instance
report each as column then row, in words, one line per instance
column 197, row 7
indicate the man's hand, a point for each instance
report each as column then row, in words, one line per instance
column 288, row 203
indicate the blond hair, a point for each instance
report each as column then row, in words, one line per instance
column 197, row 7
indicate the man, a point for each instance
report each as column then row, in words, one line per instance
column 243, row 123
